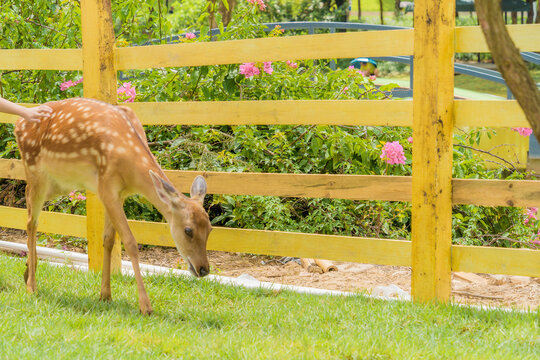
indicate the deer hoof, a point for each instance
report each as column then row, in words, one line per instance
column 105, row 297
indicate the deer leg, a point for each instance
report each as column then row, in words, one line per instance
column 35, row 197
column 115, row 211
column 108, row 243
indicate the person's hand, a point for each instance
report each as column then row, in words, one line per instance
column 35, row 114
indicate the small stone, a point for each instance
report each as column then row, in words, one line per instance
column 498, row 279
column 247, row 277
column 391, row 291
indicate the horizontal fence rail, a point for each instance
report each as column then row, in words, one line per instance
column 320, row 46
column 520, row 193
column 373, row 44
column 41, row 59
column 468, row 113
column 332, row 247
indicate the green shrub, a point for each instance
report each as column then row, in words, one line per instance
column 274, row 149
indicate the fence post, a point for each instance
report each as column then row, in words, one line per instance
column 433, row 121
column 99, row 83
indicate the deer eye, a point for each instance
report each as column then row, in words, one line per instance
column 189, row 232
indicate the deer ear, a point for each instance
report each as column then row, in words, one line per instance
column 165, row 191
column 198, row 189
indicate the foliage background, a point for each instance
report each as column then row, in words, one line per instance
column 283, row 149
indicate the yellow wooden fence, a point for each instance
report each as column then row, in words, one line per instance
column 433, row 114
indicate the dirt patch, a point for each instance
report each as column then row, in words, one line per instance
column 494, row 290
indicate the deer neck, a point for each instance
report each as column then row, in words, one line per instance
column 145, row 187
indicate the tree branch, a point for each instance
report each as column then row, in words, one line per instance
column 489, row 153
column 509, row 61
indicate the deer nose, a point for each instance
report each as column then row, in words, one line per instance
column 203, row 271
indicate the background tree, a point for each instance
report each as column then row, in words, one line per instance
column 509, row 61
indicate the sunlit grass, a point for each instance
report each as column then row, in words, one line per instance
column 196, row 319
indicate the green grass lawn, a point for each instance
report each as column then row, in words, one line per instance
column 196, row 319
column 373, row 5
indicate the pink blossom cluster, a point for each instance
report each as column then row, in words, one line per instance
column 250, row 69
column 410, row 139
column 190, row 36
column 531, row 214
column 67, row 84
column 523, row 131
column 291, row 64
column 126, row 92
column 76, row 196
column 392, row 153
column 262, row 5
column 267, row 67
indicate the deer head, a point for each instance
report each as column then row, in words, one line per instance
column 188, row 221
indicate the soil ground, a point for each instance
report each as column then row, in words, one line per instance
column 492, row 290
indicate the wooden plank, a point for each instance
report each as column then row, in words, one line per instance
column 49, row 222
column 489, row 113
column 277, row 112
column 471, row 38
column 433, row 121
column 520, row 193
column 331, row 247
column 377, row 251
column 41, row 59
column 12, row 169
column 353, row 187
column 99, row 83
column 492, row 260
column 320, row 46
column 472, row 113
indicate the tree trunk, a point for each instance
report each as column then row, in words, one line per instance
column 537, row 11
column 514, row 17
column 530, row 11
column 381, row 8
column 509, row 61
column 397, row 8
column 226, row 15
column 359, row 10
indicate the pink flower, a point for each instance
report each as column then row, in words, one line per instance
column 67, row 84
column 249, row 70
column 523, row 131
column 190, row 36
column 535, row 242
column 127, row 92
column 76, row 196
column 268, row 68
column 261, row 4
column 345, row 89
column 292, row 65
column 409, row 139
column 392, row 153
column 531, row 214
